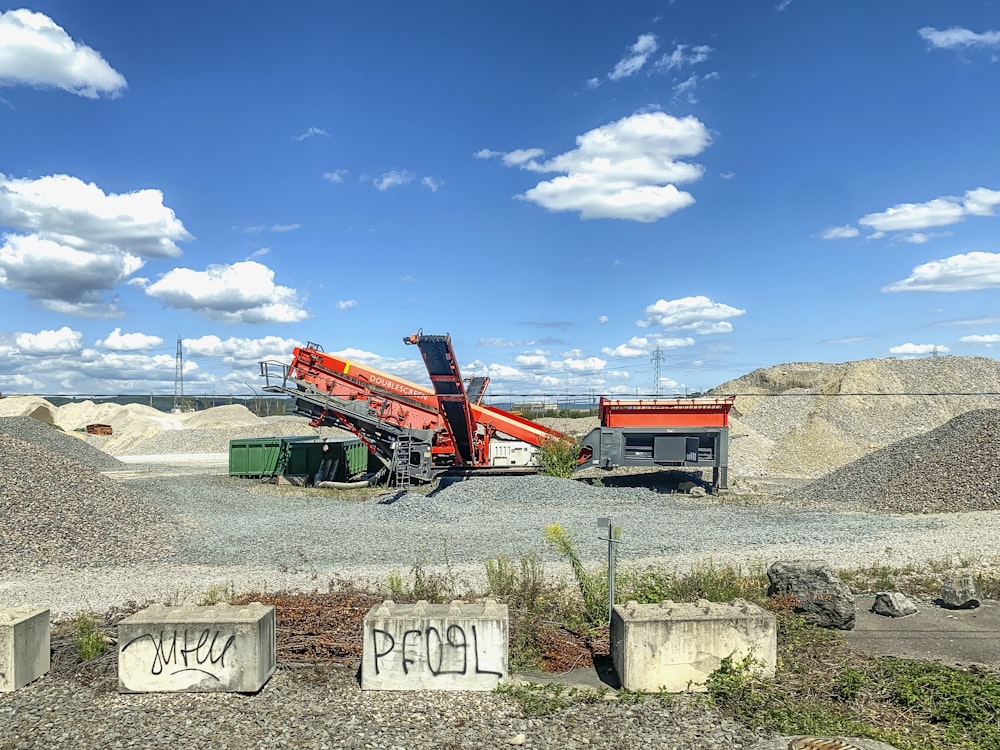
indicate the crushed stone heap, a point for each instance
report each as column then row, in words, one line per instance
column 951, row 468
column 57, row 511
column 804, row 419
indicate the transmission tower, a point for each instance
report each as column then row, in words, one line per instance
column 179, row 377
column 656, row 359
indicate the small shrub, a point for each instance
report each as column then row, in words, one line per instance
column 558, row 457
column 89, row 641
column 217, row 593
column 424, row 584
column 593, row 586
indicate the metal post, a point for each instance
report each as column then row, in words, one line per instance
column 605, row 522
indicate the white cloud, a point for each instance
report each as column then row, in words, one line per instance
column 285, row 227
column 128, row 342
column 309, row 134
column 532, row 359
column 727, row 175
column 909, row 348
column 593, row 83
column 635, row 58
column 623, row 170
column 837, row 233
column 958, row 273
column 36, row 51
column 430, row 183
column 987, row 339
column 241, row 350
column 602, row 319
column 959, row 38
column 79, row 242
column 392, row 178
column 43, row 343
column 487, row 153
column 699, row 314
column 643, row 346
column 243, row 292
column 80, row 214
column 335, row 176
column 583, row 364
column 683, row 56
column 63, row 278
column 347, row 304
column 933, row 213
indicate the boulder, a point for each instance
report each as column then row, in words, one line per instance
column 820, row 596
column 893, row 604
column 961, row 592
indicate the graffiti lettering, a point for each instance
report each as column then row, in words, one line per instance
column 186, row 651
column 428, row 648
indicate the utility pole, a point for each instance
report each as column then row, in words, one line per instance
column 657, row 358
column 179, row 377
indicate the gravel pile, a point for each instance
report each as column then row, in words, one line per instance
column 214, row 438
column 325, row 708
column 798, row 419
column 56, row 441
column 57, row 511
column 955, row 467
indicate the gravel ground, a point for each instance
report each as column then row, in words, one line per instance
column 324, row 708
column 54, row 440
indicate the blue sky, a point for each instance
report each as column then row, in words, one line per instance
column 565, row 188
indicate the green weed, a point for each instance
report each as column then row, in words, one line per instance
column 89, row 641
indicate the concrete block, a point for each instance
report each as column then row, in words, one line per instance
column 676, row 647
column 423, row 646
column 192, row 649
column 24, row 646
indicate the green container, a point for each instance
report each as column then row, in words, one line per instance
column 261, row 457
column 335, row 459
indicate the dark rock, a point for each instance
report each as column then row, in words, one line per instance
column 961, row 592
column 820, row 596
column 893, row 604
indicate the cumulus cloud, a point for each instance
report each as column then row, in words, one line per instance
column 285, row 227
column 128, row 342
column 626, row 169
column 699, row 314
column 988, row 339
column 635, row 58
column 243, row 292
column 958, row 273
column 44, row 343
column 336, row 176
column 914, row 349
column 81, row 215
column 602, row 319
column 310, row 133
column 642, row 346
column 430, row 183
column 958, row 38
column 347, row 304
column 78, row 242
column 839, row 233
column 933, row 213
column 62, row 278
column 36, row 51
column 235, row 350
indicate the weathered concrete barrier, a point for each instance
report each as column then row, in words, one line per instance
column 196, row 649
column 423, row 646
column 675, row 647
column 24, row 646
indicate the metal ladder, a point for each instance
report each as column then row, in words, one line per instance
column 401, row 462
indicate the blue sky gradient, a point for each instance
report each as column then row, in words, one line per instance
column 563, row 187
